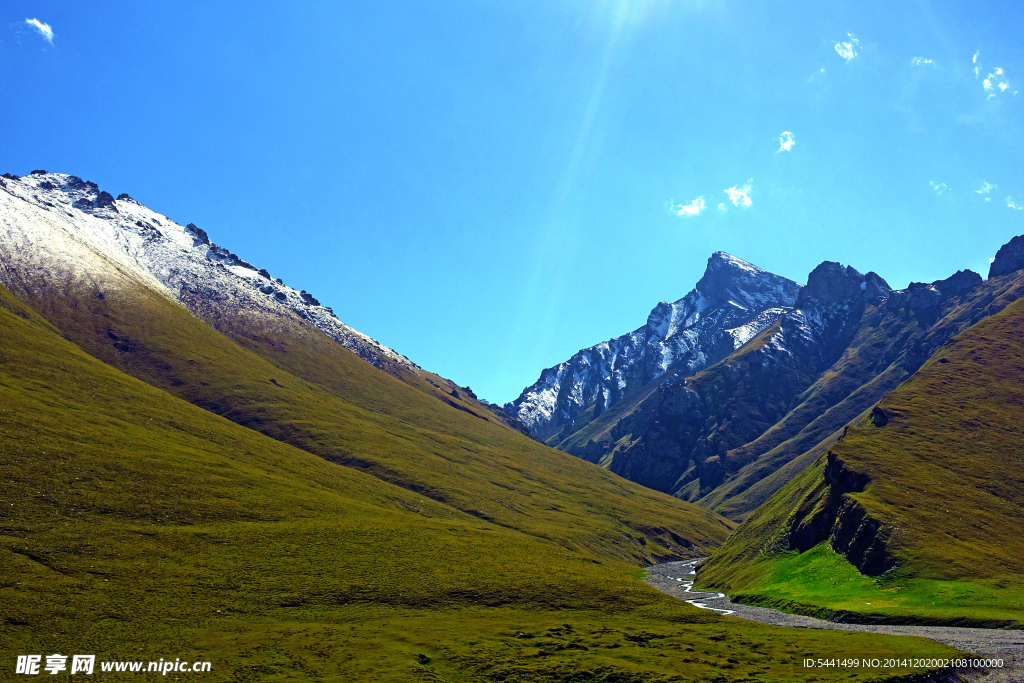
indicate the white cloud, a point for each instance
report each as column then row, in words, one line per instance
column 848, row 50
column 692, row 209
column 740, row 195
column 786, row 142
column 986, row 187
column 1013, row 205
column 921, row 61
column 939, row 188
column 995, row 83
column 44, row 29
column 721, row 206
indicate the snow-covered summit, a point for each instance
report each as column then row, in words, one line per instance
column 732, row 303
column 58, row 227
column 728, row 278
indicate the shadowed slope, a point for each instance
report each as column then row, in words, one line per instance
column 925, row 494
column 891, row 342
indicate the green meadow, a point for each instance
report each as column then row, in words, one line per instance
column 822, row 583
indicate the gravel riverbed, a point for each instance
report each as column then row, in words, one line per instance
column 676, row 579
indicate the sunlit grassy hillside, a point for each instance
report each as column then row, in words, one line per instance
column 348, row 412
column 925, row 496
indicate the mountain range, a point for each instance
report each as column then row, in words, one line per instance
column 728, row 393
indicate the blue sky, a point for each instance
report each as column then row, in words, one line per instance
column 488, row 186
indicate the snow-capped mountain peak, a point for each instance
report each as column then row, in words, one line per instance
column 731, row 303
column 728, row 278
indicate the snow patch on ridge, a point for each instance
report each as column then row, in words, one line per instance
column 57, row 226
column 744, row 333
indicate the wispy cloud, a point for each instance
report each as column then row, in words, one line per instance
column 986, row 187
column 44, row 29
column 848, row 49
column 939, row 188
column 921, row 61
column 817, row 75
column 786, row 142
column 1013, row 204
column 739, row 195
column 692, row 209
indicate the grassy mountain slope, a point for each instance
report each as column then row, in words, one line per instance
column 916, row 512
column 348, row 412
column 134, row 525
column 890, row 344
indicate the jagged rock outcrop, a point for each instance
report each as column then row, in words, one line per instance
column 960, row 282
column 835, row 516
column 730, row 304
column 831, row 283
column 1009, row 258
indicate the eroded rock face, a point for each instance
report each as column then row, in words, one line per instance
column 958, row 283
column 843, row 521
column 926, row 299
column 1009, row 258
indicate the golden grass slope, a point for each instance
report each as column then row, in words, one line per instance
column 344, row 410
